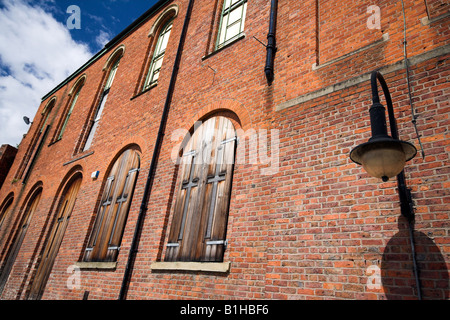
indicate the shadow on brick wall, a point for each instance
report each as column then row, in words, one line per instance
column 397, row 272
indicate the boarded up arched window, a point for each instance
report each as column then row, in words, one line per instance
column 106, row 236
column 19, row 236
column 55, row 238
column 6, row 208
column 198, row 231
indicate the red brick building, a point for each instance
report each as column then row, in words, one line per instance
column 204, row 154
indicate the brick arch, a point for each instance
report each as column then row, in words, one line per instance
column 217, row 107
column 78, row 84
column 117, row 54
column 137, row 142
column 6, row 204
column 169, row 13
column 33, row 191
column 50, row 104
column 7, row 198
column 75, row 171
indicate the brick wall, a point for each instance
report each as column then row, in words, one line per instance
column 316, row 227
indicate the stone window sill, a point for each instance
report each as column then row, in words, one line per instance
column 219, row 267
column 96, row 265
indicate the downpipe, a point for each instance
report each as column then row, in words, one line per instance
column 271, row 44
column 153, row 165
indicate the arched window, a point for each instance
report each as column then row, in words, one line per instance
column 37, row 140
column 46, row 114
column 198, row 230
column 112, row 70
column 106, row 236
column 19, row 235
column 74, row 94
column 6, row 208
column 54, row 240
column 158, row 55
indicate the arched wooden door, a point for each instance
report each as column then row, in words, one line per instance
column 18, row 238
column 54, row 240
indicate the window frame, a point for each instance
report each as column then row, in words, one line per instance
column 66, row 204
column 158, row 54
column 226, row 12
column 101, row 105
column 70, row 106
column 73, row 102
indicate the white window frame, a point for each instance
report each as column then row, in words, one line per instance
column 229, row 8
column 158, row 55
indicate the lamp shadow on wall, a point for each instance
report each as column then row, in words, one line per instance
column 397, row 273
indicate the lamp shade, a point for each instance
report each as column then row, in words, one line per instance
column 383, row 158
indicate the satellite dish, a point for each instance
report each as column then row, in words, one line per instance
column 27, row 120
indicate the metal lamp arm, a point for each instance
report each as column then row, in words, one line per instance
column 376, row 100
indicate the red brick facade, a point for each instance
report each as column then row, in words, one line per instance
column 304, row 222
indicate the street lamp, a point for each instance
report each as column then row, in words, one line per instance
column 382, row 156
column 385, row 157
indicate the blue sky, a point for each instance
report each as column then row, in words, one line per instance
column 41, row 45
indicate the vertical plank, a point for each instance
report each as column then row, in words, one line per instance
column 115, row 204
column 206, row 206
column 18, row 239
column 54, row 241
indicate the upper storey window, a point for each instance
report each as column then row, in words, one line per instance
column 72, row 101
column 232, row 21
column 37, row 140
column 69, row 113
column 158, row 55
column 101, row 104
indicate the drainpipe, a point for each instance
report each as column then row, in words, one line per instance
column 153, row 165
column 271, row 45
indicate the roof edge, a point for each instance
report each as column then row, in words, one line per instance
column 109, row 45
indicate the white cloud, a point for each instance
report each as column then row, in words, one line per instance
column 36, row 54
column 103, row 38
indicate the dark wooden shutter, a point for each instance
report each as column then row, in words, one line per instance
column 198, row 229
column 106, row 236
column 54, row 241
column 18, row 239
column 218, row 192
